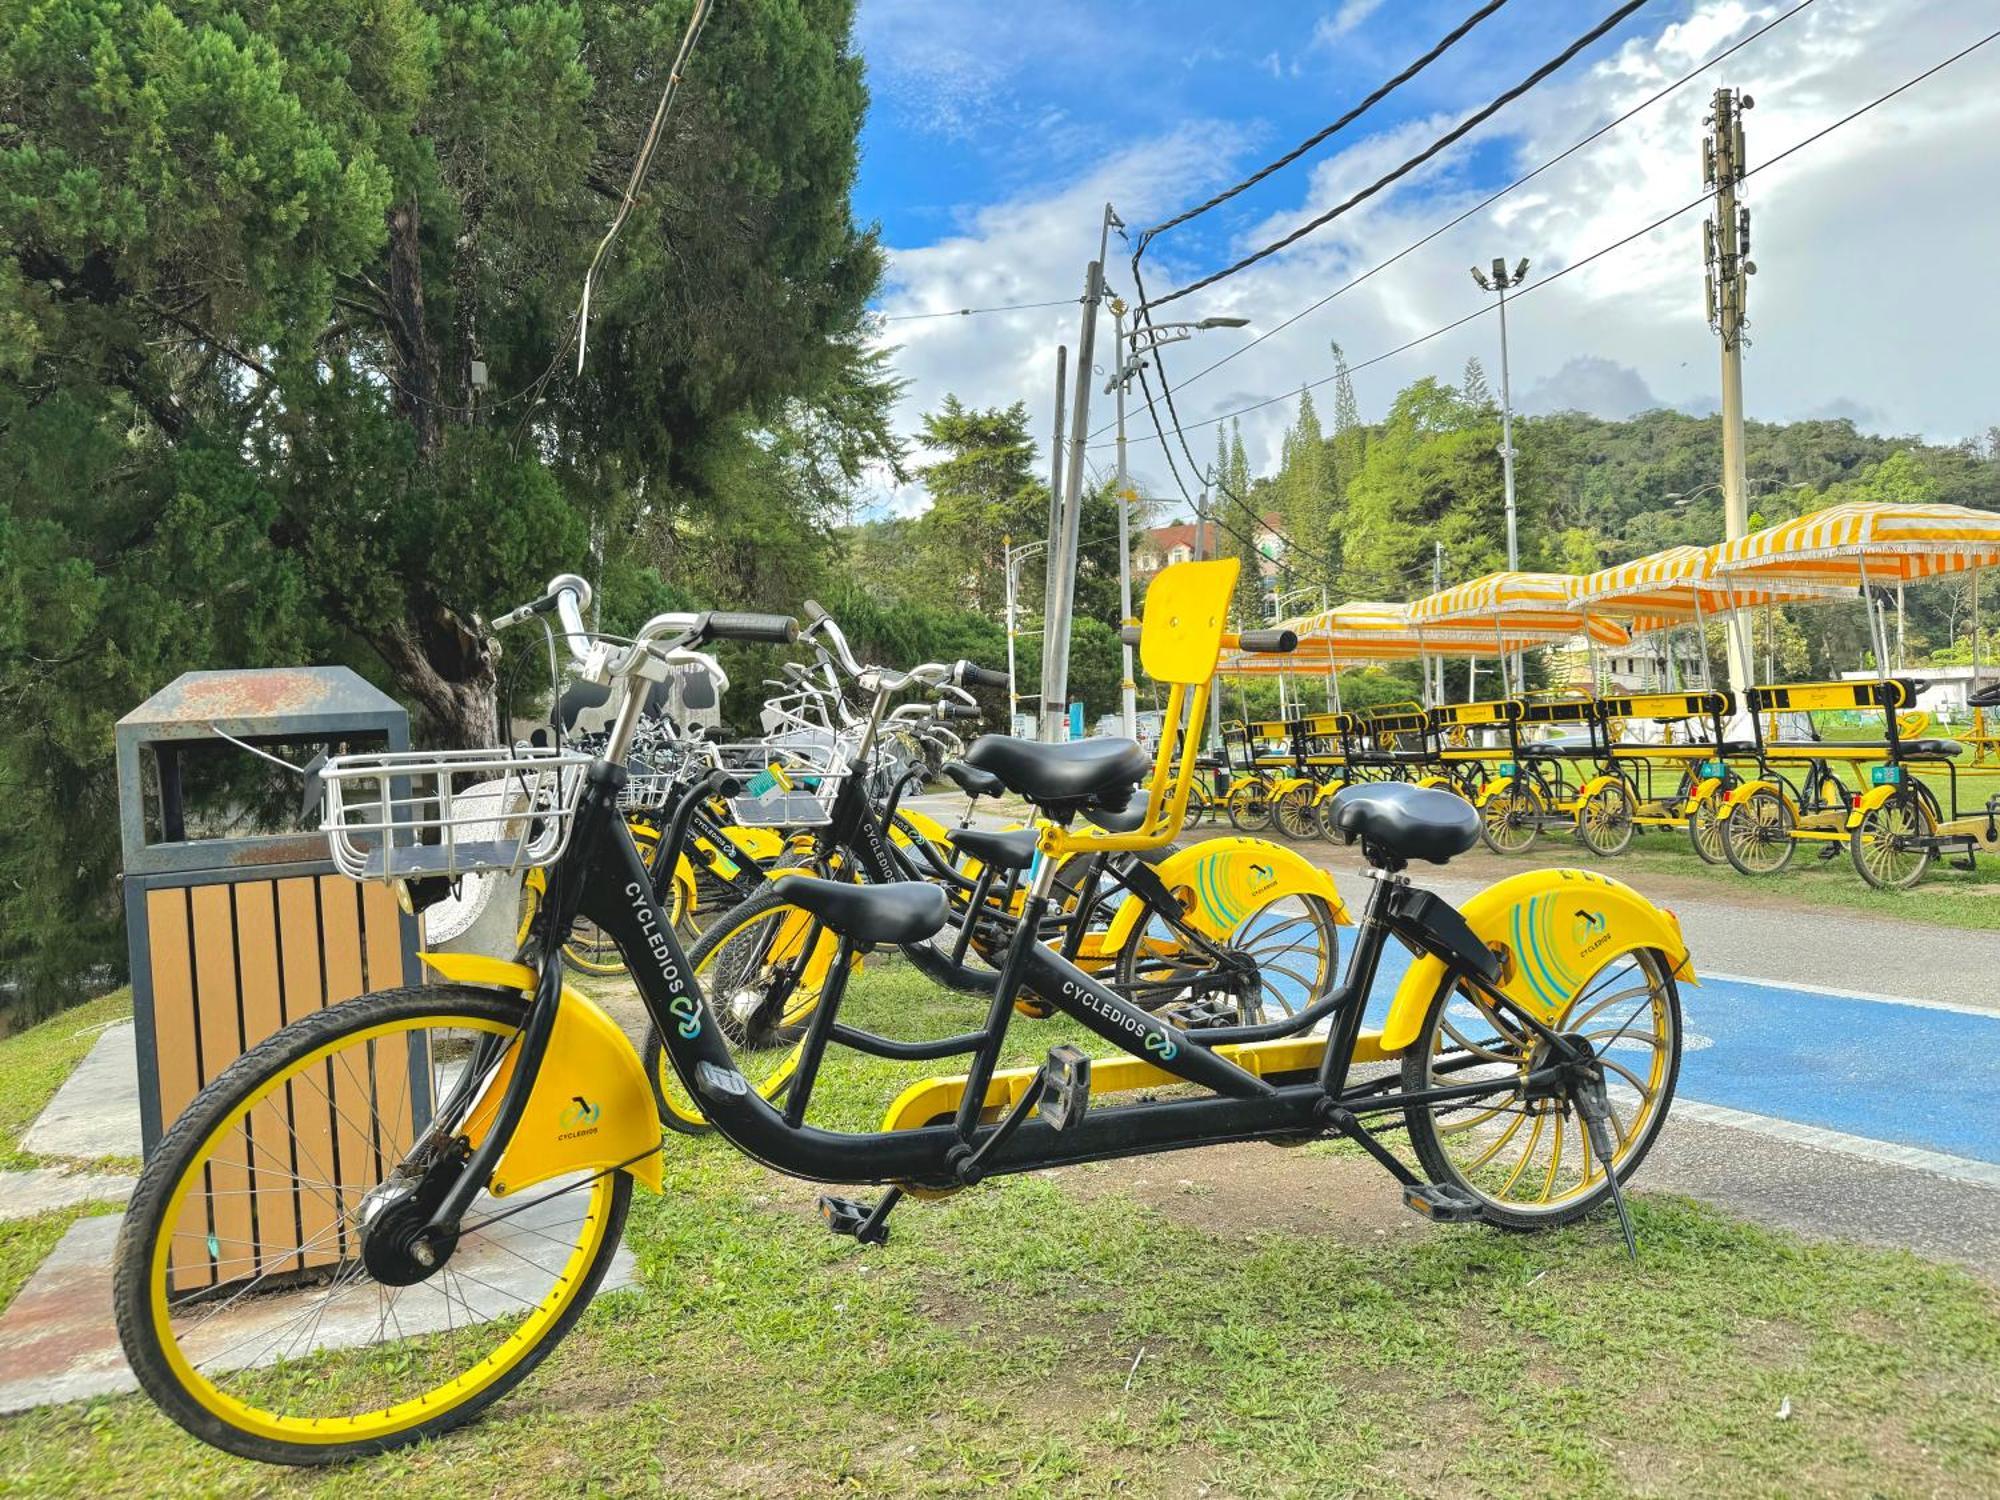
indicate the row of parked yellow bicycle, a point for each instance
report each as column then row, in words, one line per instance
column 1606, row 769
column 1748, row 777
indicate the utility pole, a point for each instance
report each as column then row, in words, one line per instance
column 1052, row 572
column 1013, row 686
column 1056, row 616
column 1437, row 587
column 1728, row 268
column 1502, row 279
column 1128, row 688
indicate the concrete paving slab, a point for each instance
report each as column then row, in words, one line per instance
column 58, row 1341
column 96, row 1111
column 39, row 1189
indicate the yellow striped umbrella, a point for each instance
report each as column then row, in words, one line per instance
column 1681, row 584
column 1364, row 631
column 1860, row 543
column 1525, row 607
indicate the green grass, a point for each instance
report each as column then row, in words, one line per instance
column 33, row 1064
column 991, row 1347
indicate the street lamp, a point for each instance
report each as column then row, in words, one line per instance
column 1499, row 280
column 1682, row 499
column 1131, row 355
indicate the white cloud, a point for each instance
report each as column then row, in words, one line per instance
column 1874, row 246
column 1342, row 21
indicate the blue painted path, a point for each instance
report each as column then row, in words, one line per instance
column 1883, row 1069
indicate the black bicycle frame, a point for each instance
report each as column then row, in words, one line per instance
column 614, row 889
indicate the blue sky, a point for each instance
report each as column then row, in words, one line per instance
column 997, row 131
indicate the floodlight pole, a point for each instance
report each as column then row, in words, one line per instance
column 1728, row 268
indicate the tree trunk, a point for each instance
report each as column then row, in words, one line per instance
column 416, row 377
column 451, row 674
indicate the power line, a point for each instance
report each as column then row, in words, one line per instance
column 1492, row 198
column 968, row 312
column 1618, row 244
column 1444, row 45
column 1478, row 117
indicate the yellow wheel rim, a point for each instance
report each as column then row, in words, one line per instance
column 377, row 1422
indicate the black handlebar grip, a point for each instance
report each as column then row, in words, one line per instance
column 1270, row 642
column 1129, row 634
column 731, row 625
column 723, row 784
column 813, row 612
column 958, row 711
column 970, row 675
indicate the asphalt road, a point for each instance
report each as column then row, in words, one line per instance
column 1840, row 1071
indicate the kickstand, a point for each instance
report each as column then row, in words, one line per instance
column 1595, row 1107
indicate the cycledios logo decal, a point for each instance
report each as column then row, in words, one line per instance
column 1589, row 929
column 579, row 1119
column 683, row 1006
column 1160, row 1043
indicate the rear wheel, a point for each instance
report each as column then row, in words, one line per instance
column 1757, row 834
column 1287, row 950
column 1891, row 845
column 1249, row 807
column 1528, row 1160
column 261, row 1297
column 1295, row 813
column 1604, row 822
column 1511, row 818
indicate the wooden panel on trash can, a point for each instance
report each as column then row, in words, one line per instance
column 178, row 1062
column 312, row 1113
column 231, row 1240
column 231, row 964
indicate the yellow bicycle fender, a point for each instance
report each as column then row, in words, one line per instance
column 1228, row 878
column 1556, row 928
column 1703, row 790
column 925, row 825
column 1434, row 781
column 1328, row 789
column 759, row 843
column 591, row 1107
column 1876, row 796
column 1594, row 785
column 1741, row 793
column 1285, row 784
column 1491, row 789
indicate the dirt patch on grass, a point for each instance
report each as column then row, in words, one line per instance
column 1243, row 1190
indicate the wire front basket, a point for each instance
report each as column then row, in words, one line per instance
column 418, row 814
column 788, row 784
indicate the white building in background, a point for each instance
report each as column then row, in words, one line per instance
column 1941, row 691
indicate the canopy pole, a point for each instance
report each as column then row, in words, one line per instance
column 1975, row 629
column 1701, row 643
column 1899, row 626
column 1874, row 622
column 1508, row 687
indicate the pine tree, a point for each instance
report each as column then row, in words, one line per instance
column 1473, row 389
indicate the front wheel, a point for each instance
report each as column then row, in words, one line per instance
column 259, row 1312
column 1891, row 846
column 1527, row 1159
column 1604, row 822
column 1511, row 818
column 1704, row 825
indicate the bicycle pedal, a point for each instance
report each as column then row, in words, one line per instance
column 1065, row 1086
column 1831, row 851
column 852, row 1218
column 1204, row 1015
column 1441, row 1202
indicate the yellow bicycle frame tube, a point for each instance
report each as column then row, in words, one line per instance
column 591, row 1108
column 1554, row 929
column 1180, row 640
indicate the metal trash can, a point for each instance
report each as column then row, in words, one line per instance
column 236, row 920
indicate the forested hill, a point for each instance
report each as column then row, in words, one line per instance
column 1364, row 504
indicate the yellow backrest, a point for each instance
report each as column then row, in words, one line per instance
column 1187, row 608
